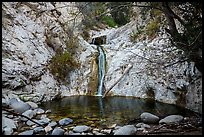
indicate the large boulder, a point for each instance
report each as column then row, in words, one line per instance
column 126, row 130
column 8, row 123
column 18, row 106
column 149, row 118
column 172, row 119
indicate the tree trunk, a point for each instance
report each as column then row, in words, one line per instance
column 125, row 71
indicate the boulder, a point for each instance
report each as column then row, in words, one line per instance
column 126, row 130
column 65, row 121
column 52, row 124
column 58, row 131
column 172, row 119
column 29, row 114
column 27, row 132
column 7, row 131
column 149, row 118
column 8, row 123
column 81, row 128
column 18, row 106
column 39, row 111
column 38, row 129
column 32, row 104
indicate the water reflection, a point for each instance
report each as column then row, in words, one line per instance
column 99, row 111
column 101, row 106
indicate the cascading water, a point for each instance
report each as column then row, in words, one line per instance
column 101, row 71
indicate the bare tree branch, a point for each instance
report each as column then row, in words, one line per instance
column 17, row 114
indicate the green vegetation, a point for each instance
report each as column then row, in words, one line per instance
column 152, row 28
column 62, row 64
column 64, row 61
column 123, row 13
column 109, row 21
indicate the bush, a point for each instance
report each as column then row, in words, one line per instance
column 152, row 28
column 62, row 64
column 109, row 21
column 123, row 14
column 64, row 61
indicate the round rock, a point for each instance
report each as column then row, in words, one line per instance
column 126, row 130
column 149, row 118
column 28, row 113
column 65, row 121
column 81, row 128
column 172, row 119
column 32, row 104
column 58, row 131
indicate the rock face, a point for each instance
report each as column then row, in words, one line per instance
column 166, row 83
column 26, row 51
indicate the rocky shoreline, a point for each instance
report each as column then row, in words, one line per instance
column 28, row 119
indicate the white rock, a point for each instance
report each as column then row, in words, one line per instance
column 172, row 119
column 126, row 130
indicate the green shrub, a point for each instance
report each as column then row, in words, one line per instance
column 109, row 21
column 62, row 64
column 152, row 28
column 64, row 61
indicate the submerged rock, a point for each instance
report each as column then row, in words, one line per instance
column 48, row 129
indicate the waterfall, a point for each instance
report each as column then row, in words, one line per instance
column 101, row 70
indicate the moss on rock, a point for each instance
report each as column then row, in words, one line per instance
column 93, row 78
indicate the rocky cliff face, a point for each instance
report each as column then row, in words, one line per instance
column 26, row 51
column 32, row 32
column 157, row 72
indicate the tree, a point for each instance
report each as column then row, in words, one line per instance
column 188, row 14
column 122, row 15
column 190, row 40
